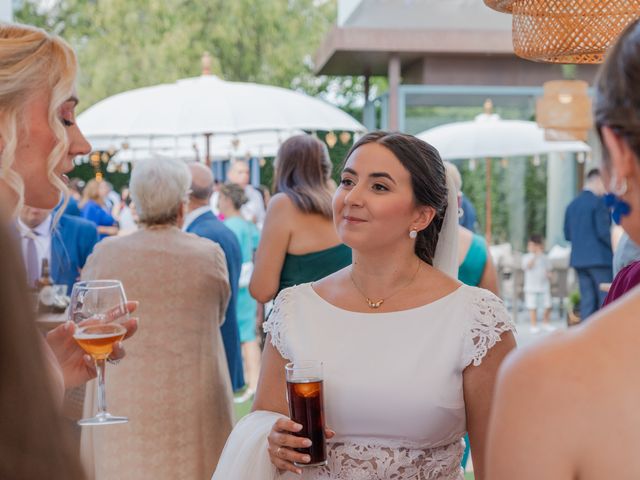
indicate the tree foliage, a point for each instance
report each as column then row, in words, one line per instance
column 123, row 45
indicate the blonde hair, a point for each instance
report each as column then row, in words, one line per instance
column 454, row 173
column 32, row 61
column 91, row 192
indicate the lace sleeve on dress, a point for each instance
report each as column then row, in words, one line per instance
column 276, row 324
column 490, row 319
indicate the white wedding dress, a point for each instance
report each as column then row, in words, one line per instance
column 393, row 388
column 392, row 381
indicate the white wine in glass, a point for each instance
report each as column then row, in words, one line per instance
column 98, row 307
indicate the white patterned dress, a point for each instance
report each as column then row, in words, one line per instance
column 393, row 387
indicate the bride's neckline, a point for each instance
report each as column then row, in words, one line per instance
column 443, row 298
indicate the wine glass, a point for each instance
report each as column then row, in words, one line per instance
column 98, row 307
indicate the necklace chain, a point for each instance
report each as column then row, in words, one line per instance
column 376, row 304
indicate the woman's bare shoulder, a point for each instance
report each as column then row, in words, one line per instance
column 281, row 201
column 565, row 364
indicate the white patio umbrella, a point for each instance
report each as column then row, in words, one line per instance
column 488, row 136
column 209, row 107
column 193, row 148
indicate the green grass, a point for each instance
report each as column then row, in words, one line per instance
column 469, row 476
column 242, row 409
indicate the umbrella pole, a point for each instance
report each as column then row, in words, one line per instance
column 207, row 155
column 487, row 228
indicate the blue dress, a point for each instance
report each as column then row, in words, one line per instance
column 248, row 236
column 94, row 212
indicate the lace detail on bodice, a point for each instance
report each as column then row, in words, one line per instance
column 276, row 324
column 489, row 321
column 370, row 461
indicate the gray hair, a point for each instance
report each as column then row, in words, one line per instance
column 159, row 187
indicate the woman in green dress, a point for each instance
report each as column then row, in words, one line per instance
column 231, row 199
column 299, row 242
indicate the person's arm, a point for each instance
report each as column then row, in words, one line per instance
column 489, row 279
column 478, row 397
column 529, row 438
column 107, row 225
column 272, row 249
column 272, row 385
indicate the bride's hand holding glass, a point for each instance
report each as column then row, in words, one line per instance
column 282, row 442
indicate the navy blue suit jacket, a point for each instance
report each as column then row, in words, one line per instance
column 587, row 225
column 72, row 242
column 208, row 226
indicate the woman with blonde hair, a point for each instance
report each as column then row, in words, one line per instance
column 38, row 140
column 93, row 209
column 299, row 242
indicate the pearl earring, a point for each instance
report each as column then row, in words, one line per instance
column 413, row 234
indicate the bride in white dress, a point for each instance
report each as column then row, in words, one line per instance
column 410, row 355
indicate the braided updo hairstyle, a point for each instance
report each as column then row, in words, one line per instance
column 617, row 96
column 428, row 181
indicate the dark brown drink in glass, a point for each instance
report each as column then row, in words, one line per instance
column 306, row 408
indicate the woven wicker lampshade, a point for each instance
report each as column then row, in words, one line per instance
column 566, row 31
column 564, row 110
column 500, row 5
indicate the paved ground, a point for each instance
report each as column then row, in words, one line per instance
column 525, row 336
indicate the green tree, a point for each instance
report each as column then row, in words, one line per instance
column 123, row 45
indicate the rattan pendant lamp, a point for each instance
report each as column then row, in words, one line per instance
column 566, row 31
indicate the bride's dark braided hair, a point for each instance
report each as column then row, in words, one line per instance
column 428, row 181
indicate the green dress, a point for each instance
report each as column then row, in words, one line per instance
column 472, row 268
column 248, row 236
column 313, row 266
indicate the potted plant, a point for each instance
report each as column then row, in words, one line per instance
column 573, row 310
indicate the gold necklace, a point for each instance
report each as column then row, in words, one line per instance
column 376, row 304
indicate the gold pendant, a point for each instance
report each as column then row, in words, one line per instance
column 374, row 304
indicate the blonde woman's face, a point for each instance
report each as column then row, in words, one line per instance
column 36, row 140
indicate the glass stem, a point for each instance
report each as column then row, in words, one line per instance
column 102, row 396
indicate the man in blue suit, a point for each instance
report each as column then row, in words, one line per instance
column 66, row 247
column 469, row 217
column 201, row 221
column 587, row 225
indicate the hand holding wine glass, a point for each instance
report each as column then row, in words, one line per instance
column 99, row 309
column 77, row 366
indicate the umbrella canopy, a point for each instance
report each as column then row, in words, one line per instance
column 488, row 136
column 193, row 148
column 210, row 107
